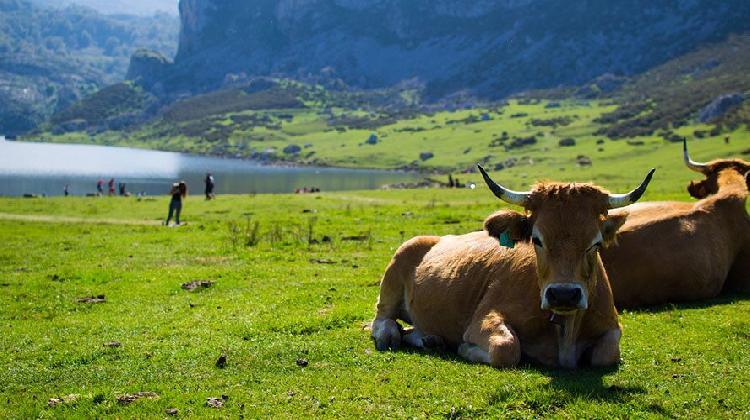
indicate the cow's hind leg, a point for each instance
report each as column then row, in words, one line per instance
column 489, row 340
column 396, row 284
column 738, row 279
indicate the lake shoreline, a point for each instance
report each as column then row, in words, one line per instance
column 272, row 163
column 39, row 168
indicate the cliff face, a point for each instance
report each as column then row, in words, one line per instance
column 491, row 47
column 148, row 68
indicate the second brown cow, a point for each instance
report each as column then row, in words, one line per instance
column 675, row 251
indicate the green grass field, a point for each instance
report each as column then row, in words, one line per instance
column 283, row 299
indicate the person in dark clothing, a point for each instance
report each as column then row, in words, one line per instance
column 178, row 192
column 67, row 190
column 100, row 187
column 209, row 181
column 111, row 185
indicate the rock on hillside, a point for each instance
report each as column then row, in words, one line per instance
column 147, row 68
column 490, row 47
column 720, row 106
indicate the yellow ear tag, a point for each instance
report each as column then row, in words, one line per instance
column 506, row 241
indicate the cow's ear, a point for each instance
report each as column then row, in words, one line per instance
column 611, row 225
column 512, row 222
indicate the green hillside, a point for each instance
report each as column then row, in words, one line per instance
column 53, row 55
column 589, row 131
column 457, row 140
column 672, row 94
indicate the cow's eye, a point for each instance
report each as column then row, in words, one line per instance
column 537, row 241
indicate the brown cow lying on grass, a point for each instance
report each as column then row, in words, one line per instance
column 674, row 251
column 546, row 296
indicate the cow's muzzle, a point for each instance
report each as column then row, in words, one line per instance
column 564, row 297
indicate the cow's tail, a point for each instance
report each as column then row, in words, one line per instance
column 396, row 283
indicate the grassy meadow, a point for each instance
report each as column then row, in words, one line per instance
column 456, row 139
column 295, row 279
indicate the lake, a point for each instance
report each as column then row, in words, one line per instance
column 45, row 168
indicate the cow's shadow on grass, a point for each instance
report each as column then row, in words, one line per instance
column 564, row 387
column 723, row 299
column 586, row 383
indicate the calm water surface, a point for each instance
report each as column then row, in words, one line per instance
column 43, row 168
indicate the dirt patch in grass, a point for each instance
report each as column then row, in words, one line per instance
column 54, row 402
column 129, row 398
column 197, row 285
column 48, row 218
column 92, row 299
column 215, row 402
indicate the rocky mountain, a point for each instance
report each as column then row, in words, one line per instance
column 119, row 7
column 51, row 57
column 490, row 48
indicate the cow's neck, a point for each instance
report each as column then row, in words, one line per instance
column 731, row 181
column 567, row 327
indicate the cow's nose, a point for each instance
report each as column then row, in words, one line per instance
column 564, row 297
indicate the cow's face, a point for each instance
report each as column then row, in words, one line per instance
column 567, row 240
column 720, row 175
column 566, row 236
column 567, row 224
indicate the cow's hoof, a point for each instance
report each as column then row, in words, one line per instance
column 474, row 353
column 386, row 333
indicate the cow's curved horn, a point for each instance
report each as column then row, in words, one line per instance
column 622, row 200
column 509, row 196
column 696, row 166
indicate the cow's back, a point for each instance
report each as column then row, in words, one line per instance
column 668, row 252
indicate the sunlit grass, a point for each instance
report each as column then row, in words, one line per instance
column 286, row 299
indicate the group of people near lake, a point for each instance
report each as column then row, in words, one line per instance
column 307, row 190
column 178, row 192
column 121, row 188
column 110, row 187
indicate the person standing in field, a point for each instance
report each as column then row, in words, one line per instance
column 178, row 193
column 100, row 187
column 111, row 185
column 66, row 190
column 209, row 181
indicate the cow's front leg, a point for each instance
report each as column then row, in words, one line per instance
column 489, row 340
column 416, row 338
column 386, row 333
column 606, row 350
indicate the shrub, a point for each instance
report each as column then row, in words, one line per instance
column 567, row 142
